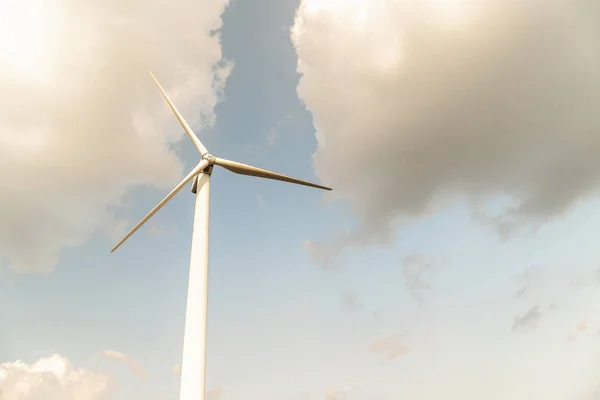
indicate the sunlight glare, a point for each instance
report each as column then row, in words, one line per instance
column 451, row 13
column 27, row 30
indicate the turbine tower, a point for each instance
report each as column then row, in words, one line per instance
column 193, row 365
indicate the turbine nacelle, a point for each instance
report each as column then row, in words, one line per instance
column 208, row 171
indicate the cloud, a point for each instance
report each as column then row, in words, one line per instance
column 426, row 102
column 52, row 378
column 414, row 269
column 583, row 278
column 214, row 393
column 529, row 320
column 327, row 254
column 351, row 302
column 135, row 366
column 531, row 276
column 335, row 394
column 390, row 347
column 324, row 254
column 578, row 330
column 85, row 123
column 582, row 325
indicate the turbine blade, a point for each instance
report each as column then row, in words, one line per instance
column 185, row 125
column 244, row 169
column 199, row 168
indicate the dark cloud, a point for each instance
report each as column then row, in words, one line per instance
column 529, row 320
column 422, row 110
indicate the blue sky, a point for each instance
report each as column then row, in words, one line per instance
column 434, row 311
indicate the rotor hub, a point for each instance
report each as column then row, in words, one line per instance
column 209, row 157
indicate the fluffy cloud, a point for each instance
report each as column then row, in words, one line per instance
column 83, row 122
column 424, row 102
column 52, row 378
column 135, row 366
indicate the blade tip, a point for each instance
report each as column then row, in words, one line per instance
column 153, row 78
column 116, row 246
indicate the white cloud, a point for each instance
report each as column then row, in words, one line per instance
column 52, row 378
column 135, row 366
column 84, row 122
column 424, row 102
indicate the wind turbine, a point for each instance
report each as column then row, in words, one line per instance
column 193, row 365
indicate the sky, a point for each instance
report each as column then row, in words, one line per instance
column 456, row 257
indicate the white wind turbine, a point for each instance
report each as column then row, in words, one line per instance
column 193, row 365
